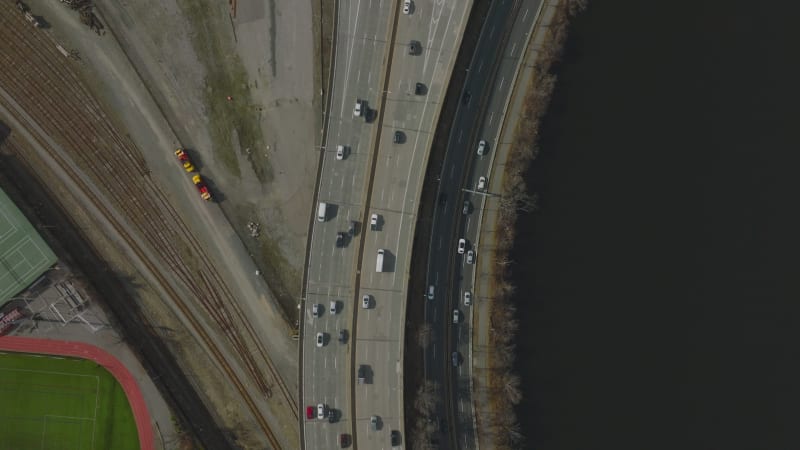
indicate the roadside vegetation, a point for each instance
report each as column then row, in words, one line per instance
column 497, row 420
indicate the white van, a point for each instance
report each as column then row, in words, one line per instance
column 379, row 261
column 321, row 211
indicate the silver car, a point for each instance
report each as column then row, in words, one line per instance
column 471, row 257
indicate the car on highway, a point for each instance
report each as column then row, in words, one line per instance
column 481, row 183
column 340, row 239
column 467, row 298
column 467, row 96
column 333, row 415
column 431, row 290
column 365, row 301
column 353, row 228
column 455, row 358
column 466, row 208
column 321, row 411
column 373, row 222
column 339, row 152
column 183, row 158
column 344, row 440
column 316, row 310
column 320, row 339
column 419, row 89
column 373, row 422
column 471, row 257
column 414, row 48
column 394, row 438
column 358, row 108
column 309, row 412
column 455, row 316
column 398, row 137
column 406, row 6
column 334, row 307
column 481, row 147
column 462, row 245
column 362, row 374
column 342, row 336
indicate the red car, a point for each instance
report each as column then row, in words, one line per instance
column 309, row 412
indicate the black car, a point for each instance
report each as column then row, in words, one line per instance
column 340, row 240
column 466, row 97
column 395, row 438
column 342, row 336
column 333, row 415
column 414, row 48
column 353, row 228
column 398, row 137
column 419, row 89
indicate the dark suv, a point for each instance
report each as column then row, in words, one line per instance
column 414, row 48
column 419, row 89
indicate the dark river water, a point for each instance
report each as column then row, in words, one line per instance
column 659, row 283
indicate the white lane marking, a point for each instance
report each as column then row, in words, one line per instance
column 480, row 67
column 502, row 80
column 350, row 52
column 491, row 32
column 460, row 135
column 525, row 15
column 513, row 47
column 491, row 118
column 439, row 246
column 452, row 171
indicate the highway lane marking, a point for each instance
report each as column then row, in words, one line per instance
column 491, row 32
column 491, row 118
column 525, row 15
column 502, row 80
column 452, row 171
column 513, row 47
column 460, row 135
column 480, row 67
column 349, row 55
column 434, row 25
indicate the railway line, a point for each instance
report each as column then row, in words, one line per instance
column 49, row 91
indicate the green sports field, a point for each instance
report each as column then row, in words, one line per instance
column 53, row 403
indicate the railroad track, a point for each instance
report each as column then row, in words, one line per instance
column 51, row 92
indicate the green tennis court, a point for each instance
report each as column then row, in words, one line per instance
column 54, row 403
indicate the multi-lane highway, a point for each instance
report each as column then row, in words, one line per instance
column 479, row 117
column 373, row 62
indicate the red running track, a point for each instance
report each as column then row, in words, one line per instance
column 101, row 357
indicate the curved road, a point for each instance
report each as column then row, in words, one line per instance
column 483, row 102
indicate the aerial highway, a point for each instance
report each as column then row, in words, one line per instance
column 386, row 95
column 462, row 190
column 361, row 48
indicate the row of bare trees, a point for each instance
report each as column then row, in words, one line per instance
column 497, row 421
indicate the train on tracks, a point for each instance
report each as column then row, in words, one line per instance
column 188, row 166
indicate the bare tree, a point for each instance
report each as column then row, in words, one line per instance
column 511, row 387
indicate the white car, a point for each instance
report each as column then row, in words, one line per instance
column 320, row 339
column 470, row 257
column 365, row 302
column 455, row 316
column 407, row 7
column 339, row 152
column 373, row 221
column 357, row 109
column 467, row 298
column 334, row 307
column 462, row 244
column 481, row 147
column 481, row 183
column 320, row 411
column 315, row 309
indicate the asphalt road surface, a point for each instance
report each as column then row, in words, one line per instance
column 346, row 185
column 479, row 117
